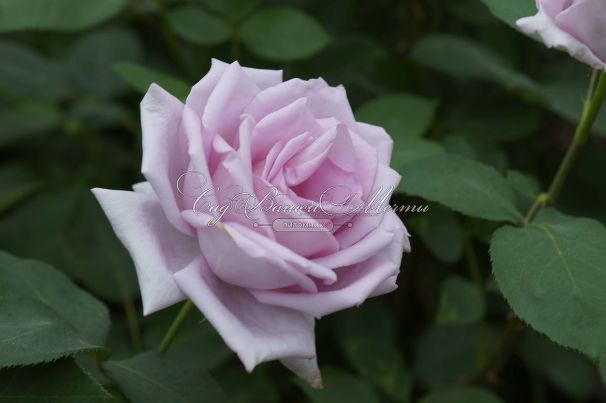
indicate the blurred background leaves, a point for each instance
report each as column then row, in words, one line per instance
column 475, row 108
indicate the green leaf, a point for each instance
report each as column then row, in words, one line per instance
column 401, row 115
column 471, row 11
column 464, row 58
column 120, row 339
column 43, row 316
column 260, row 387
column 197, row 343
column 27, row 75
column 602, row 369
column 371, row 318
column 57, row 382
column 409, row 150
column 92, row 56
column 100, row 114
column 441, row 233
column 553, row 275
column 476, row 147
column 498, row 118
column 15, row 184
column 449, row 354
column 462, row 394
column 59, row 15
column 76, row 238
column 151, row 377
column 571, row 372
column 350, row 60
column 27, row 120
column 339, row 386
column 511, row 10
column 460, row 302
column 195, row 25
column 44, row 242
column 201, row 347
column 283, row 34
column 463, row 185
column 140, row 78
column 232, row 10
column 525, row 185
column 381, row 363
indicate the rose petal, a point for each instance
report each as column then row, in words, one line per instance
column 378, row 138
column 145, row 188
column 353, row 286
column 387, row 286
column 370, row 218
column 302, row 166
column 234, row 90
column 305, row 368
column 586, row 21
column 307, row 244
column 371, row 244
column 324, row 101
column 281, row 126
column 256, row 332
column 293, row 146
column 553, row 36
column 155, row 246
column 342, row 153
column 164, row 148
column 552, row 7
column 233, row 179
column 367, row 164
column 195, row 184
column 245, row 258
column 200, row 92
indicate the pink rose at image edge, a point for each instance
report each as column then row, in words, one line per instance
column 261, row 289
column 577, row 26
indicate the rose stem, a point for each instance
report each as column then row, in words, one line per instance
column 591, row 108
column 175, row 326
column 588, row 117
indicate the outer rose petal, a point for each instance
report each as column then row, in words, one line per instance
column 362, row 224
column 242, row 257
column 281, row 126
column 553, row 36
column 256, row 332
column 387, row 286
column 198, row 97
column 305, row 368
column 354, row 284
column 197, row 180
column 155, row 246
column 378, row 138
column 323, row 101
column 164, row 148
column 145, row 188
column 586, row 21
column 234, row 90
column 363, row 250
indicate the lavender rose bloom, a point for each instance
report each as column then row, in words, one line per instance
column 578, row 26
column 222, row 170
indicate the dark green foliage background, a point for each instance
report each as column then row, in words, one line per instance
column 463, row 94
